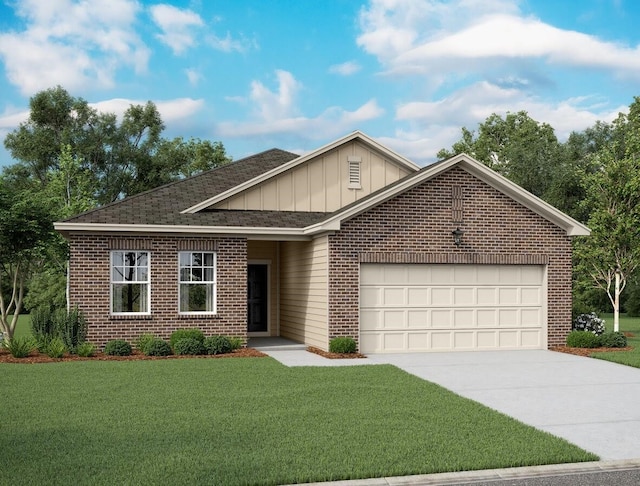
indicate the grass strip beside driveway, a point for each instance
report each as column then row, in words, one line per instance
column 246, row 421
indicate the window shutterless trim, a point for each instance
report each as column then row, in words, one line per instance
column 146, row 282
column 212, row 283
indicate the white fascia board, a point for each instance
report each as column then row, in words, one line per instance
column 208, row 230
column 300, row 160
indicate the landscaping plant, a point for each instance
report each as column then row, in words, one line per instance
column 188, row 346
column 19, row 347
column 118, row 347
column 85, row 350
column 342, row 345
column 590, row 323
column 185, row 333
column 218, row 345
column 56, row 348
column 157, row 347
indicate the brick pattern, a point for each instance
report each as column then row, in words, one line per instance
column 416, row 226
column 90, row 286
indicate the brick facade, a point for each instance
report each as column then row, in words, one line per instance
column 416, row 226
column 90, row 286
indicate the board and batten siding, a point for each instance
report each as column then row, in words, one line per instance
column 303, row 291
column 320, row 184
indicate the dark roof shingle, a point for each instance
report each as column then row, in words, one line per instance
column 163, row 205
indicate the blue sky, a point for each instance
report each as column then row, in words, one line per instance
column 297, row 74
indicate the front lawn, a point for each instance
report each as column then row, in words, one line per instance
column 628, row 325
column 246, row 421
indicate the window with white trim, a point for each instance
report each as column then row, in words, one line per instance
column 197, row 282
column 130, row 282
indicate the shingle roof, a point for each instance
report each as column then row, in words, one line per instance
column 163, row 205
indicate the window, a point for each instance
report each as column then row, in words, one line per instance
column 130, row 283
column 354, row 172
column 197, row 282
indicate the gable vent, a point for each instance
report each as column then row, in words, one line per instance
column 354, row 172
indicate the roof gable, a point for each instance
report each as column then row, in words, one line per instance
column 251, row 193
column 479, row 170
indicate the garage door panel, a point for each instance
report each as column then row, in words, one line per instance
column 464, row 318
column 464, row 296
column 421, row 307
column 441, row 296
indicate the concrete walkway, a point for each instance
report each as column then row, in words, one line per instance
column 591, row 403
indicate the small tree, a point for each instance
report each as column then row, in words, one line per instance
column 612, row 253
column 25, row 225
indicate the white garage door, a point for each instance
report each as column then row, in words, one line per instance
column 419, row 307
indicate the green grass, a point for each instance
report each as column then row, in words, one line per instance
column 246, row 421
column 629, row 358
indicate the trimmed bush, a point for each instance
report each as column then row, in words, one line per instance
column 613, row 340
column 56, row 348
column 144, row 340
column 19, row 347
column 218, row 345
column 590, row 323
column 85, row 350
column 342, row 345
column 188, row 346
column 118, row 347
column 157, row 347
column 582, row 339
column 179, row 334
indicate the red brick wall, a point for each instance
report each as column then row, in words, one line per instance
column 416, row 226
column 89, row 286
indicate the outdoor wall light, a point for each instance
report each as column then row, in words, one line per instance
column 457, row 236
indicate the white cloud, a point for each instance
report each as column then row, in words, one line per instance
column 276, row 112
column 423, row 37
column 193, row 75
column 74, row 44
column 346, row 68
column 178, row 26
column 229, row 44
column 433, row 125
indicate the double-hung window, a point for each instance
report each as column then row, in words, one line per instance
column 197, row 281
column 130, row 282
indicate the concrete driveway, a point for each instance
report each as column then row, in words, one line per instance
column 591, row 403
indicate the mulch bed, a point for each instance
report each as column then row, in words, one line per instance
column 326, row 354
column 588, row 351
column 35, row 357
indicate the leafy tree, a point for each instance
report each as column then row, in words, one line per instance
column 612, row 253
column 520, row 148
column 25, row 225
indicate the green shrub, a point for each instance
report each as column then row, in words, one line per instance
column 117, row 347
column 85, row 350
column 72, row 327
column 157, row 347
column 218, row 345
column 179, row 334
column 613, row 340
column 42, row 342
column 188, row 346
column 582, row 339
column 235, row 342
column 56, row 348
column 144, row 340
column 19, row 347
column 43, row 327
column 342, row 345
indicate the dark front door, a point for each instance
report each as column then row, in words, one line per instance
column 257, row 298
